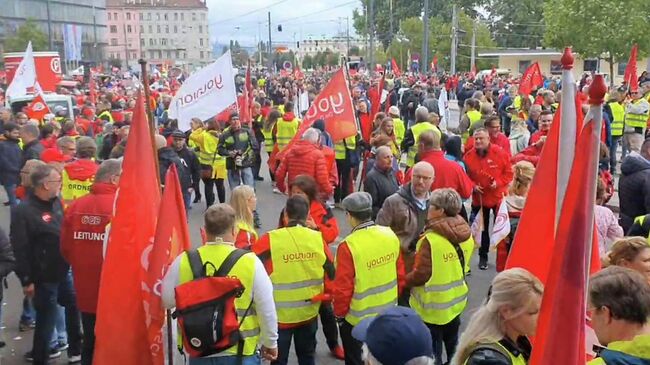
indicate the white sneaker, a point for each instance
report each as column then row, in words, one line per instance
column 74, row 359
column 276, row 191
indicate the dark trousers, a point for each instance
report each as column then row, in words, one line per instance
column 351, row 346
column 304, row 342
column 46, row 298
column 343, row 188
column 485, row 234
column 209, row 191
column 88, row 323
column 328, row 321
column 257, row 165
column 612, row 152
column 197, row 191
column 447, row 335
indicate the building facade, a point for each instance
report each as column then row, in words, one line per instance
column 163, row 32
column 52, row 15
column 338, row 44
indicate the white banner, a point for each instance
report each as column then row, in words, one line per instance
column 25, row 76
column 72, row 42
column 206, row 93
column 501, row 226
column 443, row 108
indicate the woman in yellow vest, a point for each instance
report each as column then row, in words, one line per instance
column 472, row 115
column 437, row 281
column 244, row 201
column 213, row 166
column 498, row 331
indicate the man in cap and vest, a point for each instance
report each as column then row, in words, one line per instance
column 412, row 136
column 616, row 109
column 78, row 176
column 300, row 266
column 636, row 119
column 259, row 325
column 369, row 275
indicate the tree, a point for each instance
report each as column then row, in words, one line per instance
column 115, row 62
column 518, row 24
column 28, row 31
column 307, row 62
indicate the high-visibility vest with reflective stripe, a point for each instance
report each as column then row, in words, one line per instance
column 286, row 131
column 417, row 129
column 400, row 130
column 268, row 140
column 636, row 120
column 298, row 257
column 72, row 189
column 340, row 147
column 640, row 220
column 106, row 113
column 244, row 270
column 514, row 360
column 474, row 116
column 375, row 251
column 444, row 296
column 618, row 113
column 208, row 154
column 241, row 225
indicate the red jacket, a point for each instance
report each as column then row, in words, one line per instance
column 262, row 248
column 531, row 154
column 448, row 174
column 537, row 136
column 344, row 283
column 499, row 140
column 324, row 220
column 82, row 240
column 493, row 167
column 304, row 158
column 245, row 239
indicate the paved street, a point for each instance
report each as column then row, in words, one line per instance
column 269, row 206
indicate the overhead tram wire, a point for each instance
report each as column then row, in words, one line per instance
column 288, row 20
column 247, row 13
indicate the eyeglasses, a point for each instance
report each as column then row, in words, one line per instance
column 420, row 177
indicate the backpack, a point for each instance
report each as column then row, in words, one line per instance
column 205, row 307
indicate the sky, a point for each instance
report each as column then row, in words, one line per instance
column 300, row 19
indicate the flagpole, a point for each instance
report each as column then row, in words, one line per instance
column 356, row 120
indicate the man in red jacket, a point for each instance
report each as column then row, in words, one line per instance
column 82, row 240
column 497, row 138
column 489, row 168
column 305, row 158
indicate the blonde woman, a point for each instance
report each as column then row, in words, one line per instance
column 244, row 201
column 632, row 253
column 524, row 172
column 498, row 332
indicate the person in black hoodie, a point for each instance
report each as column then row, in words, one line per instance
column 189, row 160
column 40, row 267
column 32, row 147
column 167, row 157
column 634, row 186
column 7, row 262
column 10, row 162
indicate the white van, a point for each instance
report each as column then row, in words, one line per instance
column 52, row 100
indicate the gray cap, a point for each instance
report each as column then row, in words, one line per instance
column 358, row 202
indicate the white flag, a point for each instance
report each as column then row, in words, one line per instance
column 477, row 227
column 205, row 94
column 25, row 76
column 443, row 108
column 501, row 227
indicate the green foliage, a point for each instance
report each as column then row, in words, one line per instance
column 355, row 51
column 598, row 27
column 307, row 62
column 517, row 24
column 28, row 31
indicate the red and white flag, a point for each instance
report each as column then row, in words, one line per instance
column 501, row 226
column 37, row 108
column 532, row 78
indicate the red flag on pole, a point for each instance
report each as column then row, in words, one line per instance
column 334, row 105
column 532, row 78
column 375, row 96
column 631, row 78
column 37, row 108
column 395, row 68
column 121, row 318
column 245, row 101
column 171, row 239
column 562, row 320
column 434, row 63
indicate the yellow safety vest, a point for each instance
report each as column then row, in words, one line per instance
column 618, row 113
column 444, row 296
column 106, row 113
column 638, row 347
column 241, row 225
column 281, row 109
column 517, row 102
column 298, row 257
column 268, row 140
column 417, row 129
column 636, row 120
column 340, row 147
column 72, row 189
column 243, row 270
column 208, row 155
column 400, row 130
column 286, row 131
column 474, row 116
column 375, row 268
column 514, row 360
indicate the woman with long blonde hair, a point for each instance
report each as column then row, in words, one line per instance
column 498, row 331
column 244, row 201
column 632, row 253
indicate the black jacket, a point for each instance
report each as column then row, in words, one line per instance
column 243, row 142
column 32, row 151
column 35, row 234
column 380, row 185
column 493, row 355
column 10, row 162
column 166, row 157
column 7, row 259
column 634, row 189
column 190, row 160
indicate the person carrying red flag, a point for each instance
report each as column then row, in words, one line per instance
column 82, row 242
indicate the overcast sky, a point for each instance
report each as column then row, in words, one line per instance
column 244, row 20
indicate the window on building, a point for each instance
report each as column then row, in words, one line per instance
column 114, row 16
column 182, row 16
column 193, row 16
column 151, row 41
column 159, row 54
column 163, row 41
column 142, row 17
column 200, row 29
column 169, row 54
column 556, row 67
column 202, row 16
column 176, row 16
column 590, row 65
column 523, row 65
column 167, row 29
column 152, row 54
column 150, row 28
column 148, row 16
column 157, row 16
column 142, row 43
column 127, row 56
column 201, row 54
column 175, row 28
column 158, row 28
column 129, row 29
column 128, row 16
column 178, row 55
column 621, row 68
column 109, row 16
column 113, row 28
column 113, row 41
column 143, row 54
column 134, row 55
column 201, row 41
column 142, row 29
column 166, row 16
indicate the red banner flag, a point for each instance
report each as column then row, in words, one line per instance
column 434, row 63
column 171, row 239
column 297, row 73
column 375, row 96
column 395, row 68
column 334, row 105
column 37, row 109
column 224, row 115
column 244, row 100
column 631, row 78
column 121, row 318
column 532, row 78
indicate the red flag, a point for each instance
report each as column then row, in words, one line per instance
column 474, row 71
column 244, row 100
column 37, row 109
column 561, row 324
column 297, row 73
column 375, row 96
column 92, row 90
column 334, row 105
column 531, row 78
column 224, row 115
column 121, row 317
column 171, row 239
column 395, row 68
column 631, row 78
column 435, row 63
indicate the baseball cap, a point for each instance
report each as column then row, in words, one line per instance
column 396, row 336
column 178, row 134
column 359, row 201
